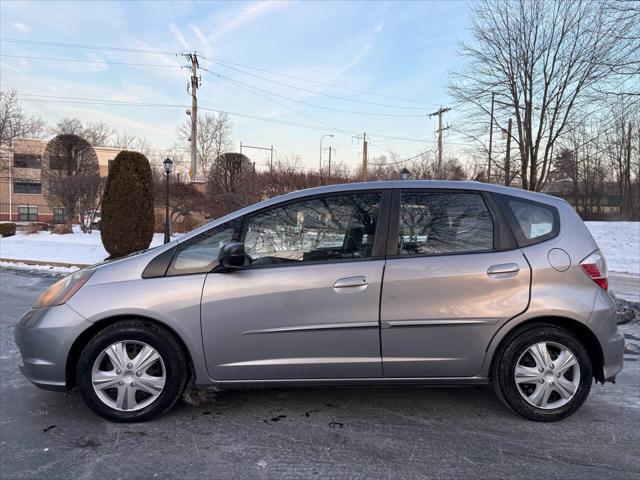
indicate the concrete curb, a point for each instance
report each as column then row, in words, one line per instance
column 44, row 263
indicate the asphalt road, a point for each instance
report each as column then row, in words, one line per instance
column 625, row 285
column 314, row 433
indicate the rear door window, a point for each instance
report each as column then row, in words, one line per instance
column 444, row 223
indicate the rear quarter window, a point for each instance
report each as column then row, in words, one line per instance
column 531, row 221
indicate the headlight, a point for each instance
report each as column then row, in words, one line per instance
column 63, row 290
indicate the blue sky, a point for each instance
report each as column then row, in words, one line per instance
column 395, row 49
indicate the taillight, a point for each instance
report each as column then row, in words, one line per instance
column 595, row 266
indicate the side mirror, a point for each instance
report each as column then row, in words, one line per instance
column 232, row 256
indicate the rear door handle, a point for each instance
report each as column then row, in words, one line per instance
column 350, row 284
column 503, row 270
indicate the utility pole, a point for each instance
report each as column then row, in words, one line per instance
column 439, row 113
column 493, row 97
column 320, row 164
column 192, row 88
column 365, row 160
column 329, row 172
column 253, row 178
column 271, row 160
column 507, row 160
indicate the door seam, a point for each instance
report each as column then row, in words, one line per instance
column 380, row 318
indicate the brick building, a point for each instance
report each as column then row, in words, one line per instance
column 21, row 191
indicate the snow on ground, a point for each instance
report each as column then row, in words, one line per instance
column 82, row 248
column 38, row 268
column 620, row 243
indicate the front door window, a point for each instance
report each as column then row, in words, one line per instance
column 317, row 230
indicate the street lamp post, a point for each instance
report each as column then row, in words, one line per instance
column 321, row 139
column 405, row 173
column 168, row 166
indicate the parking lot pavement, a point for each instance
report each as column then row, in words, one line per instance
column 313, row 433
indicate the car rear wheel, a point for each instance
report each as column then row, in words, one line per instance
column 132, row 371
column 544, row 373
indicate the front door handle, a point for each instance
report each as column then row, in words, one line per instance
column 503, row 270
column 350, row 284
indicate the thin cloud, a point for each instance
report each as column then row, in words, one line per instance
column 367, row 46
column 247, row 14
column 21, row 27
column 202, row 38
column 179, row 36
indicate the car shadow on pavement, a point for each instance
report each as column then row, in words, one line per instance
column 355, row 404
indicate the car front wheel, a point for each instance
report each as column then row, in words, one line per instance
column 131, row 371
column 544, row 374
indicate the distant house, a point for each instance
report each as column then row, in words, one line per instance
column 21, row 191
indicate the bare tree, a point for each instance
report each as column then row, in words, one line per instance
column 625, row 16
column 98, row 134
column 229, row 173
column 214, row 138
column 542, row 60
column 70, row 172
column 68, row 126
column 125, row 141
column 90, row 190
column 618, row 144
column 286, row 176
column 14, row 122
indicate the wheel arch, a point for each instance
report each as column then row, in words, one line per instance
column 84, row 338
column 579, row 329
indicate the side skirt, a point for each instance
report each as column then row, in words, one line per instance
column 351, row 382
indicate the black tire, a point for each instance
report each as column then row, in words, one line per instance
column 503, row 375
column 159, row 338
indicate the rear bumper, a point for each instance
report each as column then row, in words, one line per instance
column 613, row 353
column 44, row 337
column 603, row 323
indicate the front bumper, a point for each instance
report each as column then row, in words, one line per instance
column 44, row 337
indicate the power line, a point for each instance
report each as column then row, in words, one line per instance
column 124, row 103
column 220, row 61
column 66, row 99
column 413, row 123
column 85, row 46
column 399, row 162
column 256, row 92
column 315, row 92
column 352, row 112
column 99, row 62
column 317, row 82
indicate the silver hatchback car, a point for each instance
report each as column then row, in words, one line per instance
column 408, row 282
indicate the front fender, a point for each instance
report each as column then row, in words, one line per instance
column 170, row 301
